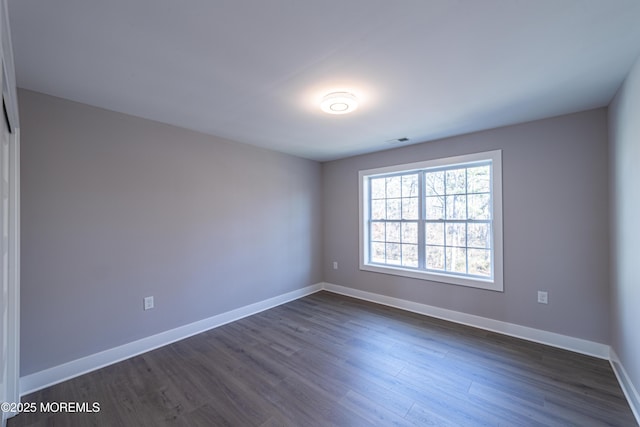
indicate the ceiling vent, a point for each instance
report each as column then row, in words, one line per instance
column 398, row 140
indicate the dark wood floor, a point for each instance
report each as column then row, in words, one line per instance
column 331, row 360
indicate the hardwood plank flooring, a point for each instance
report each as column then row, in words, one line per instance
column 330, row 360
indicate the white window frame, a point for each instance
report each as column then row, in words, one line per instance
column 495, row 283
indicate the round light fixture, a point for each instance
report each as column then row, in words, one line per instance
column 339, row 103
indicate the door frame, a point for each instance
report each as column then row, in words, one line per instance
column 11, row 386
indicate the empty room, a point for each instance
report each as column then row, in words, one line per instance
column 329, row 213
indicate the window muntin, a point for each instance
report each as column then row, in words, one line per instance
column 437, row 220
column 458, row 220
column 394, row 220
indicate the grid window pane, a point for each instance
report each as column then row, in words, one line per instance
column 479, row 236
column 378, row 209
column 456, row 260
column 456, row 234
column 435, row 257
column 377, row 232
column 394, row 208
column 410, row 232
column 434, row 183
column 394, row 253
column 378, row 188
column 394, row 187
column 435, row 207
column 378, row 252
column 479, row 179
column 410, row 255
column 479, row 206
column 456, row 182
column 480, row 262
column 410, row 208
column 456, row 207
column 434, row 232
column 436, row 219
column 394, row 202
column 393, row 232
column 410, row 185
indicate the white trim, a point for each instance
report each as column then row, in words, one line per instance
column 11, row 345
column 434, row 163
column 9, row 68
column 57, row 374
column 13, row 339
column 553, row 339
column 627, row 386
column 496, row 282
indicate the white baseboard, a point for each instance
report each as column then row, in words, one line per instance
column 627, row 386
column 45, row 378
column 57, row 374
column 553, row 339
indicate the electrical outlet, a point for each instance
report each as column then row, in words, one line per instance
column 543, row 297
column 335, row 265
column 148, row 303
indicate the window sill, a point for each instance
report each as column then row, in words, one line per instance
column 491, row 285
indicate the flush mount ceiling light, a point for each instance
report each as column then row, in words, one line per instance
column 339, row 103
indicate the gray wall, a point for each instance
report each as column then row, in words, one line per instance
column 624, row 140
column 115, row 208
column 555, row 226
